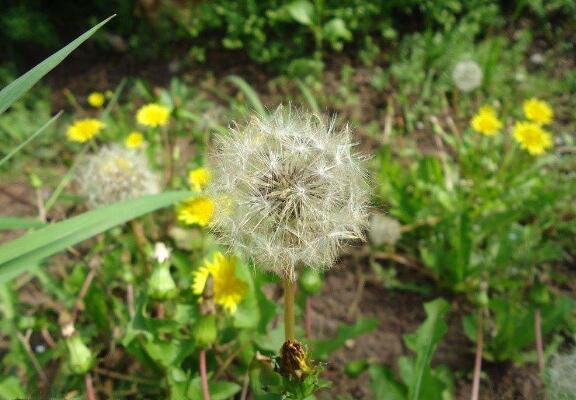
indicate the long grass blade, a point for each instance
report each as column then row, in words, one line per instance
column 16, row 89
column 22, row 254
column 308, row 96
column 12, row 223
column 34, row 135
column 250, row 94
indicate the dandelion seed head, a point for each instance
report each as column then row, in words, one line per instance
column 560, row 375
column 384, row 230
column 467, row 75
column 289, row 191
column 114, row 174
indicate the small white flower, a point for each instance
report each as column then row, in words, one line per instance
column 290, row 191
column 114, row 174
column 161, row 252
column 467, row 75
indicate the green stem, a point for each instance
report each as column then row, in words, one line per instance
column 289, row 318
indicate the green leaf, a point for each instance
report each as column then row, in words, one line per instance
column 10, row 388
column 20, row 255
column 424, row 341
column 250, row 94
column 16, row 89
column 12, row 223
column 335, row 29
column 322, row 348
column 384, row 386
column 32, row 137
column 169, row 353
column 302, row 11
column 218, row 390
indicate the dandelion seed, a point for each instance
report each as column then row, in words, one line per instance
column 96, row 99
column 134, row 140
column 153, row 115
column 84, row 130
column 294, row 190
column 532, row 137
column 198, row 178
column 229, row 291
column 486, row 121
column 197, row 210
column 114, row 174
column 538, row 111
column 467, row 75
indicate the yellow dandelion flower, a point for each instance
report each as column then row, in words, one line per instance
column 153, row 115
column 134, row 140
column 486, row 121
column 538, row 111
column 84, row 130
column 198, row 178
column 96, row 99
column 197, row 210
column 229, row 291
column 532, row 137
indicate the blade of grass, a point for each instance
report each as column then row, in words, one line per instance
column 34, row 135
column 11, row 223
column 114, row 100
column 16, row 89
column 308, row 96
column 22, row 254
column 250, row 94
column 65, row 180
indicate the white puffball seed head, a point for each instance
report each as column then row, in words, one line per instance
column 290, row 191
column 467, row 75
column 114, row 174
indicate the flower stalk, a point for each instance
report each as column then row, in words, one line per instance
column 539, row 342
column 289, row 317
column 478, row 361
column 204, row 376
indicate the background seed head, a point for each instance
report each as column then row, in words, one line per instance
column 384, row 230
column 560, row 375
column 467, row 75
column 290, row 190
column 114, row 174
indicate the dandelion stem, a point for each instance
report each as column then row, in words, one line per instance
column 308, row 317
column 204, row 376
column 289, row 319
column 478, row 361
column 539, row 344
column 90, row 393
